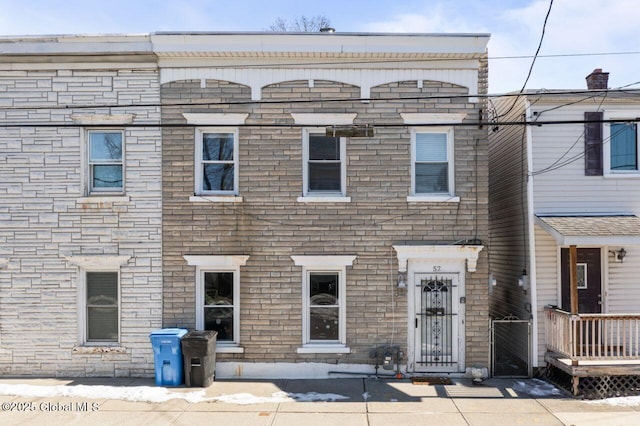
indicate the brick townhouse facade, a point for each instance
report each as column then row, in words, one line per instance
column 288, row 238
column 320, row 200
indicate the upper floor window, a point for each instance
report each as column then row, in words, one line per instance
column 217, row 161
column 624, row 146
column 105, row 161
column 324, row 164
column 432, row 161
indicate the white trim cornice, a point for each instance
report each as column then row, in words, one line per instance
column 433, row 118
column 98, row 261
column 326, row 119
column 444, row 252
column 216, row 261
column 106, row 119
column 217, row 119
column 315, row 260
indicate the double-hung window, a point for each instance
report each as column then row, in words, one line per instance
column 105, row 161
column 324, row 303
column 216, row 161
column 324, row 164
column 102, row 307
column 432, row 162
column 623, row 147
column 218, row 297
column 219, row 304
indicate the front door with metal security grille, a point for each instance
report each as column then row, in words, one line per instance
column 436, row 322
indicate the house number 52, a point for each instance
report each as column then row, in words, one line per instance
column 437, row 268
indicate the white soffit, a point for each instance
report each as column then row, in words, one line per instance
column 324, row 119
column 440, row 252
column 215, row 119
column 433, row 118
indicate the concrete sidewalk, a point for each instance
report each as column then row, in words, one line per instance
column 286, row 402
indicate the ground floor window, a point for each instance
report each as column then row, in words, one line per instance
column 324, row 303
column 217, row 283
column 102, row 313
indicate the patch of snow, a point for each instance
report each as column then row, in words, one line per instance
column 366, row 396
column 158, row 394
column 624, row 401
column 133, row 393
column 536, row 387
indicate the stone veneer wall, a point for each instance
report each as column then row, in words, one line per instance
column 270, row 225
column 45, row 217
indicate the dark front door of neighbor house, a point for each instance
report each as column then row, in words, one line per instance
column 589, row 280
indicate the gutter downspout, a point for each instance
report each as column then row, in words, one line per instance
column 533, row 287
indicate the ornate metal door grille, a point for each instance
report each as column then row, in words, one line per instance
column 436, row 319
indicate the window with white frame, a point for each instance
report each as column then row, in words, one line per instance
column 324, row 164
column 623, row 147
column 105, row 159
column 102, row 307
column 323, row 303
column 219, row 304
column 216, row 161
column 432, row 161
column 218, row 297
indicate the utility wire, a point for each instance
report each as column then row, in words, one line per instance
column 535, row 56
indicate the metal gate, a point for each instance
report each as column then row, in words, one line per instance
column 437, row 322
column 511, row 347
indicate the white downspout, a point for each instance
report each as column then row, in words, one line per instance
column 533, row 287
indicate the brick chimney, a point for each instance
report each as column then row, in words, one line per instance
column 597, row 79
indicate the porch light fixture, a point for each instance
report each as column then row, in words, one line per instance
column 402, row 283
column 619, row 254
column 523, row 281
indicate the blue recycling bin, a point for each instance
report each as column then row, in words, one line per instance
column 167, row 356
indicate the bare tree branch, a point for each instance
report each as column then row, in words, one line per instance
column 302, row 24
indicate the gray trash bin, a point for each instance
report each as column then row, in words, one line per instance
column 199, row 352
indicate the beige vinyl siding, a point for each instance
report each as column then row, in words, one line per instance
column 623, row 293
column 546, row 281
column 567, row 189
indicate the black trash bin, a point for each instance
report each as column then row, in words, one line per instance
column 199, row 352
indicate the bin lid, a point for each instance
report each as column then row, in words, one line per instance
column 179, row 332
column 201, row 335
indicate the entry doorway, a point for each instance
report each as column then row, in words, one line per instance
column 436, row 333
column 589, row 280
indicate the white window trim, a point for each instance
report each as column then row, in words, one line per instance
column 89, row 191
column 97, row 263
column 324, row 119
column 333, row 264
column 317, row 196
column 435, row 197
column 622, row 116
column 198, row 191
column 215, row 119
column 219, row 263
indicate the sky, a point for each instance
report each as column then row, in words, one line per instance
column 580, row 35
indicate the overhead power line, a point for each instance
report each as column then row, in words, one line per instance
column 192, row 103
column 292, row 125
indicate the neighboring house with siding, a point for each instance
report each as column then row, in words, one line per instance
column 291, row 240
column 80, row 205
column 554, row 187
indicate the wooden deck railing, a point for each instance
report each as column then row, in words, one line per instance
column 592, row 336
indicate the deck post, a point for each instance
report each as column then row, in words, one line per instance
column 573, row 279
